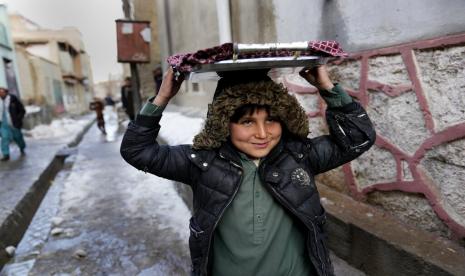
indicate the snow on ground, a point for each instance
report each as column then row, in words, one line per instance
column 178, row 129
column 32, row 109
column 58, row 128
column 168, row 204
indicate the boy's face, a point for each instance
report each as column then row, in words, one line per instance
column 256, row 134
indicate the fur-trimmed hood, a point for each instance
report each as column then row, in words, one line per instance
column 262, row 92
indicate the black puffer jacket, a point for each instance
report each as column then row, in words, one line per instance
column 215, row 176
column 16, row 111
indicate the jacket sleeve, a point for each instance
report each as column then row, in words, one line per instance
column 21, row 110
column 140, row 149
column 351, row 134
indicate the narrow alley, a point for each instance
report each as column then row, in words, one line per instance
column 109, row 219
column 324, row 136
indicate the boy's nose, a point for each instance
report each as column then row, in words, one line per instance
column 261, row 131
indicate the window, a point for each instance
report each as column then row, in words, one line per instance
column 195, row 87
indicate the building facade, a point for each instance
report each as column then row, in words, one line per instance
column 55, row 65
column 8, row 67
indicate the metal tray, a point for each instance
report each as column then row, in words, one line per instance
column 206, row 72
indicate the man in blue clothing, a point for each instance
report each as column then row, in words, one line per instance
column 11, row 121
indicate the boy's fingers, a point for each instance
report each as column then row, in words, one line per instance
column 304, row 71
column 309, row 71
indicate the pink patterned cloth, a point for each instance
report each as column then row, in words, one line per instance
column 187, row 62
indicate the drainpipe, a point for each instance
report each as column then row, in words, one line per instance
column 224, row 20
column 128, row 9
column 164, row 31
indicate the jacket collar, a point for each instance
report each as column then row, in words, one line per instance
column 296, row 148
column 229, row 152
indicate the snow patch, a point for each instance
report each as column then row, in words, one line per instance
column 58, row 128
column 32, row 109
column 178, row 129
column 168, row 203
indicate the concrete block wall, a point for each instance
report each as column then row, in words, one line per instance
column 415, row 96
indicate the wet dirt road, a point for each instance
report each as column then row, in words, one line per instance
column 107, row 218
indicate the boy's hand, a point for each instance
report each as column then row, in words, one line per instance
column 169, row 88
column 317, row 76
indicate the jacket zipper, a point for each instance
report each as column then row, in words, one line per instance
column 340, row 128
column 222, row 211
column 323, row 267
column 360, row 145
column 338, row 119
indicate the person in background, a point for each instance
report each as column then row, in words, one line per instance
column 256, row 208
column 109, row 100
column 126, row 98
column 11, row 121
column 97, row 106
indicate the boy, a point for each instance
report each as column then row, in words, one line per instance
column 251, row 169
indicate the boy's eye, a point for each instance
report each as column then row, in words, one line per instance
column 246, row 122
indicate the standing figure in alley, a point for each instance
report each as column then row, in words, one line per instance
column 256, row 208
column 109, row 100
column 11, row 121
column 97, row 106
column 127, row 98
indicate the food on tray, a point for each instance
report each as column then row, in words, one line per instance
column 230, row 55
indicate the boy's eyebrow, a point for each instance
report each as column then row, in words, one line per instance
column 249, row 117
column 246, row 117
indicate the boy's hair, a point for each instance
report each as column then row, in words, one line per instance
column 247, row 109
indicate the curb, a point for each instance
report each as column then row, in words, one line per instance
column 16, row 224
column 81, row 134
column 377, row 243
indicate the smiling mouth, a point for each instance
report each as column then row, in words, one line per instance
column 261, row 145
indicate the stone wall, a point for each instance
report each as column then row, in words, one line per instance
column 415, row 96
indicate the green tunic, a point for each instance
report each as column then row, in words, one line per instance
column 256, row 236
